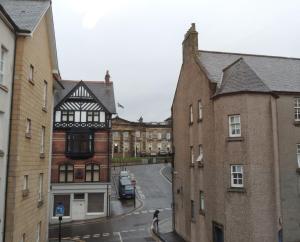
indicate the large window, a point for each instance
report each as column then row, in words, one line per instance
column 66, row 173
column 38, row 232
column 42, row 145
column 80, row 144
column 234, row 126
column 41, row 182
column 297, row 109
column 64, row 200
column 31, row 73
column 200, row 110
column 92, row 173
column 2, row 64
column 45, row 96
column 95, row 203
column 191, row 114
column 201, row 201
column 237, row 173
column 192, row 156
column 298, row 155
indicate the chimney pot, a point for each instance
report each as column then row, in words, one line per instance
column 107, row 77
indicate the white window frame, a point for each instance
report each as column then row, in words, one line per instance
column 3, row 55
column 200, row 155
column 192, row 155
column 23, row 239
column 200, row 110
column 42, row 146
column 234, row 125
column 297, row 109
column 25, row 182
column 235, row 178
column 38, row 231
column 45, row 94
column 125, row 134
column 201, row 201
column 31, row 73
column 191, row 114
column 298, row 155
column 137, row 134
column 41, row 182
column 28, row 126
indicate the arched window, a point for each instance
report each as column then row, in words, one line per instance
column 92, row 173
column 66, row 173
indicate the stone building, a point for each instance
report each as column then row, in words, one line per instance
column 81, row 156
column 7, row 53
column 236, row 136
column 35, row 77
column 135, row 139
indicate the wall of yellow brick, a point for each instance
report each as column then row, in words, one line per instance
column 23, row 213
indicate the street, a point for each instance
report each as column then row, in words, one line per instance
column 126, row 224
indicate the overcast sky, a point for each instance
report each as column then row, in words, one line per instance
column 139, row 42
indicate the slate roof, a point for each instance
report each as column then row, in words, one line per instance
column 104, row 92
column 277, row 73
column 25, row 14
column 239, row 77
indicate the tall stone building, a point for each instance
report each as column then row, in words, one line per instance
column 35, row 75
column 80, row 172
column 7, row 53
column 236, row 135
column 135, row 139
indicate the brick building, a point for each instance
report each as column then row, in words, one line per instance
column 236, row 135
column 134, row 139
column 35, row 78
column 80, row 173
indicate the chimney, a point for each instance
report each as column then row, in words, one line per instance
column 190, row 43
column 107, row 77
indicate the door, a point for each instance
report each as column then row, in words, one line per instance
column 78, row 207
column 218, row 233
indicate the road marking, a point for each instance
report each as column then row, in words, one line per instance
column 168, row 208
column 144, row 212
column 120, row 237
column 136, row 212
column 142, row 229
column 151, row 211
column 86, row 236
column 105, row 234
column 132, row 230
column 160, row 172
column 96, row 235
column 124, row 231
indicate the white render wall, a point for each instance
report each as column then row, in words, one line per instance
column 7, row 40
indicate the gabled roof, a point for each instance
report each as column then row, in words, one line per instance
column 239, row 77
column 104, row 92
column 277, row 73
column 25, row 14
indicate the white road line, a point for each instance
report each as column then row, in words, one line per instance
column 105, row 234
column 163, row 175
column 142, row 196
column 124, row 231
column 160, row 209
column 144, row 212
column 168, row 208
column 86, row 236
column 151, row 211
column 142, row 229
column 96, row 235
column 136, row 213
column 120, row 237
column 132, row 230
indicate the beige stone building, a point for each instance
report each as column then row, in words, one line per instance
column 135, row 139
column 34, row 81
column 236, row 136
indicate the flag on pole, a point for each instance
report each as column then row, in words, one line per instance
column 120, row 105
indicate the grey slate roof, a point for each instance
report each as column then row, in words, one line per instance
column 25, row 14
column 239, row 77
column 104, row 92
column 277, row 73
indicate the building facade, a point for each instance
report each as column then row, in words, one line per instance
column 35, row 74
column 7, row 53
column 80, row 173
column 236, row 137
column 136, row 139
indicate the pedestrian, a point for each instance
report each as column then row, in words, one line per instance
column 155, row 219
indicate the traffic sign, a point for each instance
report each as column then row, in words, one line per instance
column 133, row 182
column 59, row 210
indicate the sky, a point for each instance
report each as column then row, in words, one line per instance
column 140, row 42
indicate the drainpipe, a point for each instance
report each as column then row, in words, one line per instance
column 9, row 137
column 172, row 170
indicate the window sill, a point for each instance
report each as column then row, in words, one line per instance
column 28, row 135
column 199, row 120
column 1, row 153
column 235, row 139
column 42, row 155
column 297, row 122
column 40, row 203
column 298, row 170
column 25, row 193
column 44, row 109
column 31, row 82
column 191, row 123
column 201, row 212
column 4, row 88
column 237, row 189
column 192, row 164
column 201, row 164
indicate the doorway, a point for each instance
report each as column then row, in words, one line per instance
column 218, row 232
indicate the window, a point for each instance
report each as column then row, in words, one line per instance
column 150, row 147
column 64, row 116
column 234, row 126
column 168, row 136
column 138, row 134
column 159, row 136
column 192, row 210
column 200, row 110
column 2, row 64
column 57, row 116
column 80, row 144
column 96, row 116
column 297, row 109
column 126, row 146
column 237, row 176
column 66, row 173
column 201, row 201
column 116, row 148
column 92, row 173
column 23, row 239
column 298, row 155
column 78, row 196
column 28, row 127
column 115, row 134
column 200, row 154
column 38, row 232
column 192, row 158
column 95, row 203
column 41, row 177
column 125, row 134
column 42, row 146
column 25, row 182
column 31, row 72
column 64, row 200
column 71, row 116
column 45, row 95
column 102, row 117
column 191, row 114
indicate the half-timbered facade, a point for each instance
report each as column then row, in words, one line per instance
column 81, row 149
